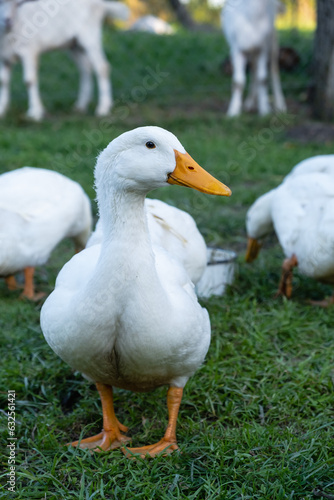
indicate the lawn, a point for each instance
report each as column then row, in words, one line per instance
column 256, row 421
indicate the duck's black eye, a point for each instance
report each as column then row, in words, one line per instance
column 150, row 145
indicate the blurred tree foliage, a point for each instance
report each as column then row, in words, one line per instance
column 160, row 8
column 299, row 13
column 197, row 11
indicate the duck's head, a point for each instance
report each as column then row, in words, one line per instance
column 150, row 157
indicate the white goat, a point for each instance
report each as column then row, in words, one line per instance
column 250, row 32
column 30, row 27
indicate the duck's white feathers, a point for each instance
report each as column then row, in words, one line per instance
column 303, row 217
column 259, row 220
column 176, row 232
column 38, row 209
column 100, row 321
column 321, row 164
column 301, row 212
column 126, row 314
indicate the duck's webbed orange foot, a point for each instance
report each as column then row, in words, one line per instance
column 29, row 289
column 111, row 436
column 168, row 443
column 122, row 427
column 104, row 441
column 35, row 297
column 163, row 447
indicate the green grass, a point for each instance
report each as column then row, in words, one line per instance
column 256, row 420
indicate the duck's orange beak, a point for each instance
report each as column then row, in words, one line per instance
column 188, row 173
column 253, row 248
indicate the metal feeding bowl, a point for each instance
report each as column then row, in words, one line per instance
column 219, row 272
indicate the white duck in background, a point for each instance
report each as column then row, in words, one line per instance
column 176, row 232
column 321, row 164
column 127, row 316
column 38, row 208
column 301, row 212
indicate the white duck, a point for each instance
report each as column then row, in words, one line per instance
column 128, row 316
column 301, row 212
column 38, row 208
column 175, row 231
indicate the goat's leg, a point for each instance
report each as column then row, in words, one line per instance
column 238, row 83
column 251, row 100
column 30, row 65
column 86, row 83
column 105, row 100
column 261, row 71
column 101, row 68
column 5, row 74
column 279, row 101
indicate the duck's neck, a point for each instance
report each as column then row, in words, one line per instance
column 122, row 215
column 259, row 219
column 126, row 242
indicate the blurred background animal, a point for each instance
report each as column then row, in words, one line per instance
column 29, row 28
column 249, row 29
column 38, row 208
column 301, row 212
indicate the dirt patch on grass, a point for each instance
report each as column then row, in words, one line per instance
column 311, row 132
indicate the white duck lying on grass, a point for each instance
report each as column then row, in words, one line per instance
column 176, row 232
column 131, row 319
column 38, row 208
column 301, row 212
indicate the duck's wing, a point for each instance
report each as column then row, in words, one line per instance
column 177, row 232
column 172, row 274
column 65, row 316
column 303, row 217
column 37, row 193
column 288, row 211
column 192, row 323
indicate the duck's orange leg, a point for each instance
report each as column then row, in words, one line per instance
column 11, row 283
column 285, row 284
column 168, row 443
column 111, row 436
column 29, row 289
